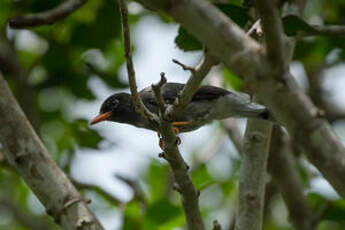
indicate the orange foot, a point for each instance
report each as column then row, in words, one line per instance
column 176, row 130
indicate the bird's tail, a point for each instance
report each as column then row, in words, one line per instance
column 239, row 105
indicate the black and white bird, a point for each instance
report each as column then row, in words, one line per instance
column 208, row 103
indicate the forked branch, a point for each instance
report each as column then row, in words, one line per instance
column 47, row 17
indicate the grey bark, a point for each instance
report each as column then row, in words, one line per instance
column 253, row 175
column 26, row 153
column 283, row 168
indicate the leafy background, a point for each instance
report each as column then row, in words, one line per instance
column 61, row 73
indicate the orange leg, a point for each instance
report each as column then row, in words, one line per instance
column 176, row 130
column 181, row 123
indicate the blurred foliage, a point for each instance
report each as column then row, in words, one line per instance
column 58, row 63
column 292, row 24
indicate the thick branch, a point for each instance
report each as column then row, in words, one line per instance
column 272, row 28
column 48, row 17
column 30, row 158
column 282, row 167
column 184, row 184
column 253, row 175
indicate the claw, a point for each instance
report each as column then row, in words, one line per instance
column 176, row 130
column 178, row 140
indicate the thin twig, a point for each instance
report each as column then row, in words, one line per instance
column 233, row 131
column 138, row 193
column 47, row 17
column 323, row 30
column 216, row 225
column 157, row 88
column 255, row 27
column 107, row 195
column 197, row 76
column 138, row 103
column 184, row 67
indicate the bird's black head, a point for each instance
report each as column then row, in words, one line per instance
column 118, row 107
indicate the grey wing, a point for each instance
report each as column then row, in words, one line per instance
column 237, row 104
column 170, row 91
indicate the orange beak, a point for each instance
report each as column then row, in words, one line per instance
column 100, row 117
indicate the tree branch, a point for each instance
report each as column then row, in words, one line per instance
column 10, row 65
column 138, row 193
column 197, row 76
column 48, row 17
column 189, row 194
column 29, row 157
column 282, row 167
column 157, row 91
column 86, row 186
column 323, row 30
column 320, row 96
column 253, row 175
column 184, row 184
column 23, row 217
column 138, row 103
column 233, row 132
column 273, row 34
column 216, row 225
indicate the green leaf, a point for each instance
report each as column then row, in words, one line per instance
column 85, row 136
column 156, row 177
column 316, row 200
column 293, row 24
column 313, row 53
column 236, row 13
column 186, row 41
column 159, row 213
column 100, row 32
column 233, row 80
column 6, row 7
column 131, row 217
column 201, row 178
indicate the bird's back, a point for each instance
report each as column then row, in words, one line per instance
column 208, row 103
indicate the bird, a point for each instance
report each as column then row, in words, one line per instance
column 207, row 104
